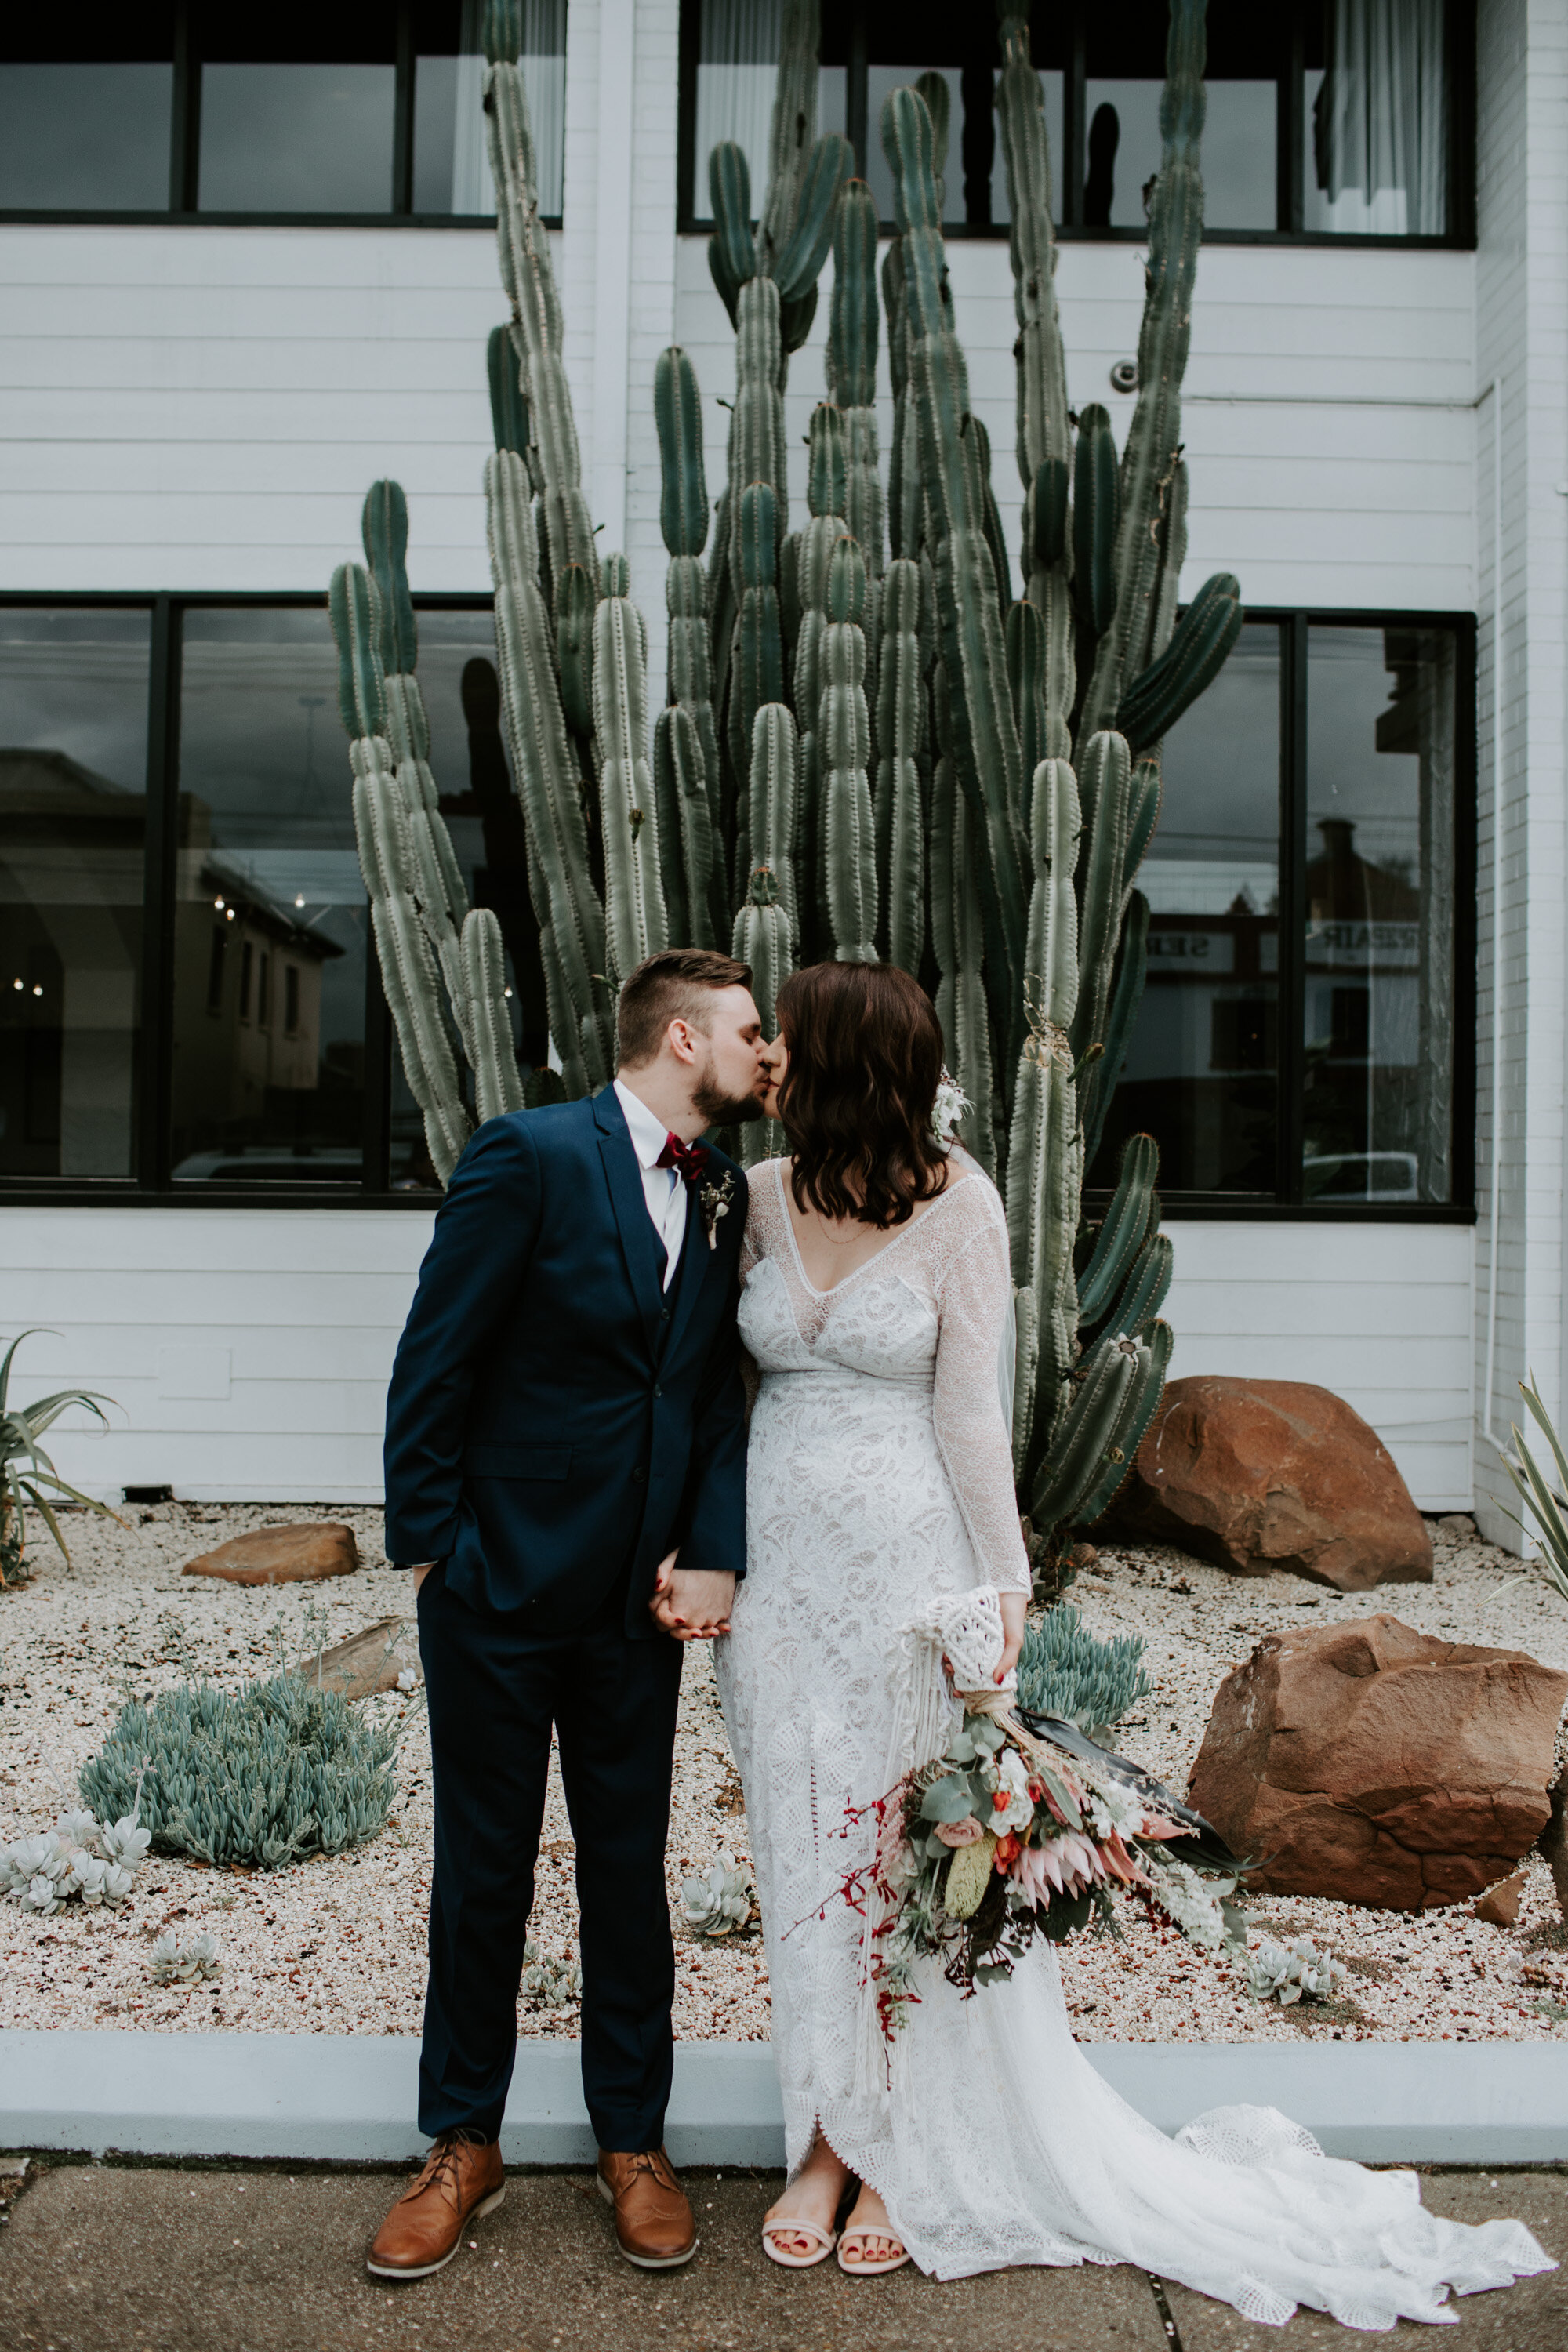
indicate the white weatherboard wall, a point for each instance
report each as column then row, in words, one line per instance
column 247, row 1351
column 202, row 408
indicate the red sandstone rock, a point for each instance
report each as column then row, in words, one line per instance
column 1499, row 1905
column 1260, row 1475
column 1374, row 1764
column 281, row 1555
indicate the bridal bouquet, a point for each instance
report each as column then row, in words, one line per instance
column 1023, row 1827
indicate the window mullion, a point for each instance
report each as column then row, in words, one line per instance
column 1292, row 124
column 184, row 115
column 403, row 113
column 1074, row 130
column 1292, row 907
column 856, row 87
column 157, row 1050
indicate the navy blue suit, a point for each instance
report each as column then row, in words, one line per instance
column 557, row 1423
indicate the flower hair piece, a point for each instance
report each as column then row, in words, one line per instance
column 948, row 1110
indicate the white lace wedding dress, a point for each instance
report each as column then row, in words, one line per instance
column 880, row 1477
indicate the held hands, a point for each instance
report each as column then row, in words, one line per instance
column 1013, row 1605
column 693, row 1604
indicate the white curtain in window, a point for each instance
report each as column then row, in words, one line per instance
column 737, row 69
column 543, row 63
column 1382, row 117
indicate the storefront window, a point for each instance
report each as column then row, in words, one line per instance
column 270, row 921
column 73, row 827
column 1378, row 1014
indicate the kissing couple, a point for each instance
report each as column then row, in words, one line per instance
column 572, row 1480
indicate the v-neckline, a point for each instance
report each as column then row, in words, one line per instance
column 876, row 1257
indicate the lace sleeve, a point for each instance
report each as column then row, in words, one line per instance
column 972, row 1299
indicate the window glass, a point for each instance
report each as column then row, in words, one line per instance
column 1376, row 92
column 297, row 138
column 1202, row 1071
column 73, row 771
column 1379, row 1008
column 1125, row 63
column 457, row 679
column 86, row 135
column 451, row 168
column 269, row 1081
column 737, row 71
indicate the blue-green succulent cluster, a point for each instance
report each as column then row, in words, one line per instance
column 1065, row 1670
column 263, row 1776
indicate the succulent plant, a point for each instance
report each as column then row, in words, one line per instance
column 265, row 1775
column 719, row 1902
column 550, row 1983
column 176, row 1963
column 77, row 1857
column 1295, row 1971
column 25, row 1470
column 1064, row 1670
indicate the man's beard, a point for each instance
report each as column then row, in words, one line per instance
column 716, row 1109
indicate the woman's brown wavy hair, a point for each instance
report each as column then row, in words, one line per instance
column 865, row 1062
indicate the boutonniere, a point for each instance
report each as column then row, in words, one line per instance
column 716, row 1200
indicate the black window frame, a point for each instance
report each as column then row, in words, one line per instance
column 154, row 1185
column 1291, row 151
column 1287, row 1203
column 185, row 158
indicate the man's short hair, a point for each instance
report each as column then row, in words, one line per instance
column 673, row 985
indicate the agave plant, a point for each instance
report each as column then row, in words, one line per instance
column 26, row 1469
column 1546, row 1499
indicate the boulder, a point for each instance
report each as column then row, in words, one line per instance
column 281, row 1555
column 1374, row 1764
column 1260, row 1475
column 376, row 1659
column 1499, row 1905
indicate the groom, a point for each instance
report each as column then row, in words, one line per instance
column 566, row 1475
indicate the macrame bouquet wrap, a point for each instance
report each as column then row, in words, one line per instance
column 1010, row 1825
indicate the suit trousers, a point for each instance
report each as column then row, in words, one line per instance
column 494, row 1689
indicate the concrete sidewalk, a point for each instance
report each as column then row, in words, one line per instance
column 110, row 2258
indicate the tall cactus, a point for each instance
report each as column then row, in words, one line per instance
column 858, row 755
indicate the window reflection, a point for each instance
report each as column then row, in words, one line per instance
column 1379, row 1008
column 1202, row 1071
column 285, row 138
column 451, row 168
column 268, row 1079
column 85, row 136
column 462, row 698
column 73, row 756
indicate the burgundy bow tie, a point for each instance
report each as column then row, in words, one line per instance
column 689, row 1159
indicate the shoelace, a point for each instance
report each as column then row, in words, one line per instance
column 441, row 2164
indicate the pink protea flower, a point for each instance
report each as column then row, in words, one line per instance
column 964, row 1833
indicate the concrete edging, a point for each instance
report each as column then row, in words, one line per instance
column 350, row 2098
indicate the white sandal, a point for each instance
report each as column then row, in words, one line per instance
column 872, row 2269
column 826, row 2240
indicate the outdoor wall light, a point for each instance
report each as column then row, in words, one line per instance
column 218, row 904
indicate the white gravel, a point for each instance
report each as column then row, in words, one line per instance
column 337, row 1945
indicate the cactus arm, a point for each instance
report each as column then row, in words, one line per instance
column 1044, row 432
column 354, row 608
column 1131, row 971
column 498, row 1088
column 1125, row 1231
column 634, row 910
column 508, row 409
column 1085, row 1439
column 677, row 415
column 402, row 950
column 852, row 322
column 385, row 527
column 794, row 128
column 1096, row 513
column 1143, row 814
column 1191, row 662
column 958, row 937
column 901, row 735
column 574, row 605
column 732, row 254
column 1106, row 780
column 829, row 164
column 756, row 423
column 1150, row 461
column 1148, row 1281
column 1139, row 1404
column 1044, row 1175
column 1026, row 1372
column 851, row 861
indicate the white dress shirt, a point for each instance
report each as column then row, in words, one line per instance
column 664, row 1189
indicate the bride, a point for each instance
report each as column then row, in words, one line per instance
column 877, row 1294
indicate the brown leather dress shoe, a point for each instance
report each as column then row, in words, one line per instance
column 463, row 2178
column 653, row 2219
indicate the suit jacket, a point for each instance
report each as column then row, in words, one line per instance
column 553, row 1414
